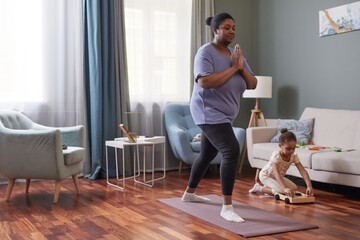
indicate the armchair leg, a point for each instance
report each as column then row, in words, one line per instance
column 57, row 190
column 27, row 185
column 10, row 188
column 76, row 183
column 180, row 166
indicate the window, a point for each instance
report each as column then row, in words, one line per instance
column 158, row 49
column 41, row 60
column 21, row 52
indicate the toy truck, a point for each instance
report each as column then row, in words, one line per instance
column 298, row 198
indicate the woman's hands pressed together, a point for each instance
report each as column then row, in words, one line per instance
column 237, row 62
column 236, row 58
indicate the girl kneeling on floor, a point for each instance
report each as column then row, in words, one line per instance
column 272, row 174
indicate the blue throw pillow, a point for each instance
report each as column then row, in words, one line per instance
column 302, row 129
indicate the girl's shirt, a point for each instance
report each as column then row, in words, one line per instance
column 221, row 104
column 268, row 170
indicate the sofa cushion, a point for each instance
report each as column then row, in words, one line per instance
column 264, row 151
column 302, row 129
column 333, row 128
column 341, row 162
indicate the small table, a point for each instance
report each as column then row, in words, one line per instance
column 121, row 143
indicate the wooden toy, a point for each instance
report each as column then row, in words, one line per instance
column 298, row 198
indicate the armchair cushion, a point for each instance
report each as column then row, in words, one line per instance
column 195, row 146
column 12, row 121
column 73, row 155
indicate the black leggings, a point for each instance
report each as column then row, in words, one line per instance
column 217, row 138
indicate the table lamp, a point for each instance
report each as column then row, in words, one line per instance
column 262, row 90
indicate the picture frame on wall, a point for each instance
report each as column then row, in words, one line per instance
column 341, row 19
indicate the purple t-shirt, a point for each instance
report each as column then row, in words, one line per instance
column 221, row 104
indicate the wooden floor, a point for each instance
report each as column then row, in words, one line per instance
column 103, row 212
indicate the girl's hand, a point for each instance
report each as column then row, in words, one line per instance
column 309, row 192
column 289, row 192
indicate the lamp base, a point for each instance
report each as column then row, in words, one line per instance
column 255, row 114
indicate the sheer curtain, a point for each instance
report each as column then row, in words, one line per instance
column 158, row 55
column 41, row 61
column 200, row 32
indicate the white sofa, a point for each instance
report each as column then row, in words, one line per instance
column 332, row 128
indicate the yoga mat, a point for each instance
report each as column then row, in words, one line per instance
column 257, row 221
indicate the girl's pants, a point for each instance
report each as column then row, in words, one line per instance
column 217, row 138
column 274, row 185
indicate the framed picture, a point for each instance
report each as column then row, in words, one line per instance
column 342, row 19
column 127, row 133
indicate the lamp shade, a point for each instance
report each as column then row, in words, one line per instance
column 262, row 90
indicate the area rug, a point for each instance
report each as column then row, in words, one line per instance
column 257, row 221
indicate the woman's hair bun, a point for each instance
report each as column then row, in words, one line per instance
column 208, row 21
column 283, row 130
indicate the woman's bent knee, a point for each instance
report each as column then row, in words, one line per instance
column 232, row 154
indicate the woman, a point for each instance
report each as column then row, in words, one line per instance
column 221, row 76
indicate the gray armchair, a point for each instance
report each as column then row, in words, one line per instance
column 181, row 130
column 32, row 151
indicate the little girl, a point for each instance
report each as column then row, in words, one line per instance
column 272, row 174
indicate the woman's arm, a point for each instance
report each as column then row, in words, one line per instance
column 215, row 80
column 251, row 81
column 305, row 176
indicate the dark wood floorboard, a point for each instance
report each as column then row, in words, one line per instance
column 103, row 212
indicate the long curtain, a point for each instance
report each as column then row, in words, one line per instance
column 200, row 32
column 105, row 76
column 121, row 76
column 158, row 53
column 43, row 74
